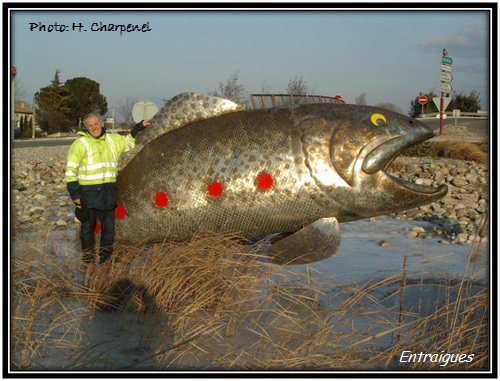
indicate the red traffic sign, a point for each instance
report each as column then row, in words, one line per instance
column 422, row 99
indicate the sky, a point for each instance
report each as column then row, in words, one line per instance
column 390, row 55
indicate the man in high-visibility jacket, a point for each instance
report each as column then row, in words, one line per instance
column 91, row 170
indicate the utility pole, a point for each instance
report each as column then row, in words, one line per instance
column 13, row 73
column 445, row 84
column 33, row 121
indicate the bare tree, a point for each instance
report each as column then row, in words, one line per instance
column 360, row 100
column 298, row 86
column 20, row 93
column 125, row 107
column 232, row 90
column 265, row 88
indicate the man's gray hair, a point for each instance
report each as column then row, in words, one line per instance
column 96, row 114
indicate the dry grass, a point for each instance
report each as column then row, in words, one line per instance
column 477, row 152
column 451, row 149
column 217, row 303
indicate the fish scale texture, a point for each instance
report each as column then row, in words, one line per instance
column 232, row 150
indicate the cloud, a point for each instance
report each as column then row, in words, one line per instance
column 471, row 41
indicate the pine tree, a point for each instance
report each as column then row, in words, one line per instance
column 53, row 107
column 84, row 98
column 21, row 126
column 30, row 127
column 466, row 103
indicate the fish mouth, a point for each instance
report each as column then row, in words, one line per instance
column 420, row 189
column 379, row 159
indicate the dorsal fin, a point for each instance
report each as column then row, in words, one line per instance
column 184, row 109
column 180, row 111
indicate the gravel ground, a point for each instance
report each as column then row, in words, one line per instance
column 458, row 133
column 40, row 199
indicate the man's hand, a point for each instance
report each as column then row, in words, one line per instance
column 139, row 127
column 81, row 211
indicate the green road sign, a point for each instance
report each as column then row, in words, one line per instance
column 446, row 60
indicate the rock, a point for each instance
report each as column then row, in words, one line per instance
column 412, row 234
column 40, row 198
column 443, row 171
column 425, row 175
column 424, row 181
column 458, row 182
column 439, row 176
column 411, row 213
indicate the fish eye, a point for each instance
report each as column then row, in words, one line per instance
column 378, row 119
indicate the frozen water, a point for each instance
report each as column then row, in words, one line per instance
column 432, row 273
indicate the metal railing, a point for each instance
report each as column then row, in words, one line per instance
column 479, row 114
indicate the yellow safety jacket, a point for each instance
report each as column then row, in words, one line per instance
column 92, row 168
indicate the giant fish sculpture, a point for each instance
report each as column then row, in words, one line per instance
column 208, row 166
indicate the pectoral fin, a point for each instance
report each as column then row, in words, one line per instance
column 315, row 242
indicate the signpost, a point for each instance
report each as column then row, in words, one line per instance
column 446, row 77
column 446, row 68
column 437, row 102
column 445, row 85
column 13, row 126
column 447, row 60
column 456, row 114
column 144, row 110
column 422, row 100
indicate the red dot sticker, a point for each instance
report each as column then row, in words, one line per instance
column 161, row 199
column 264, row 181
column 120, row 212
column 215, row 189
column 97, row 227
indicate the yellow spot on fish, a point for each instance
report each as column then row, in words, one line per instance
column 378, row 119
